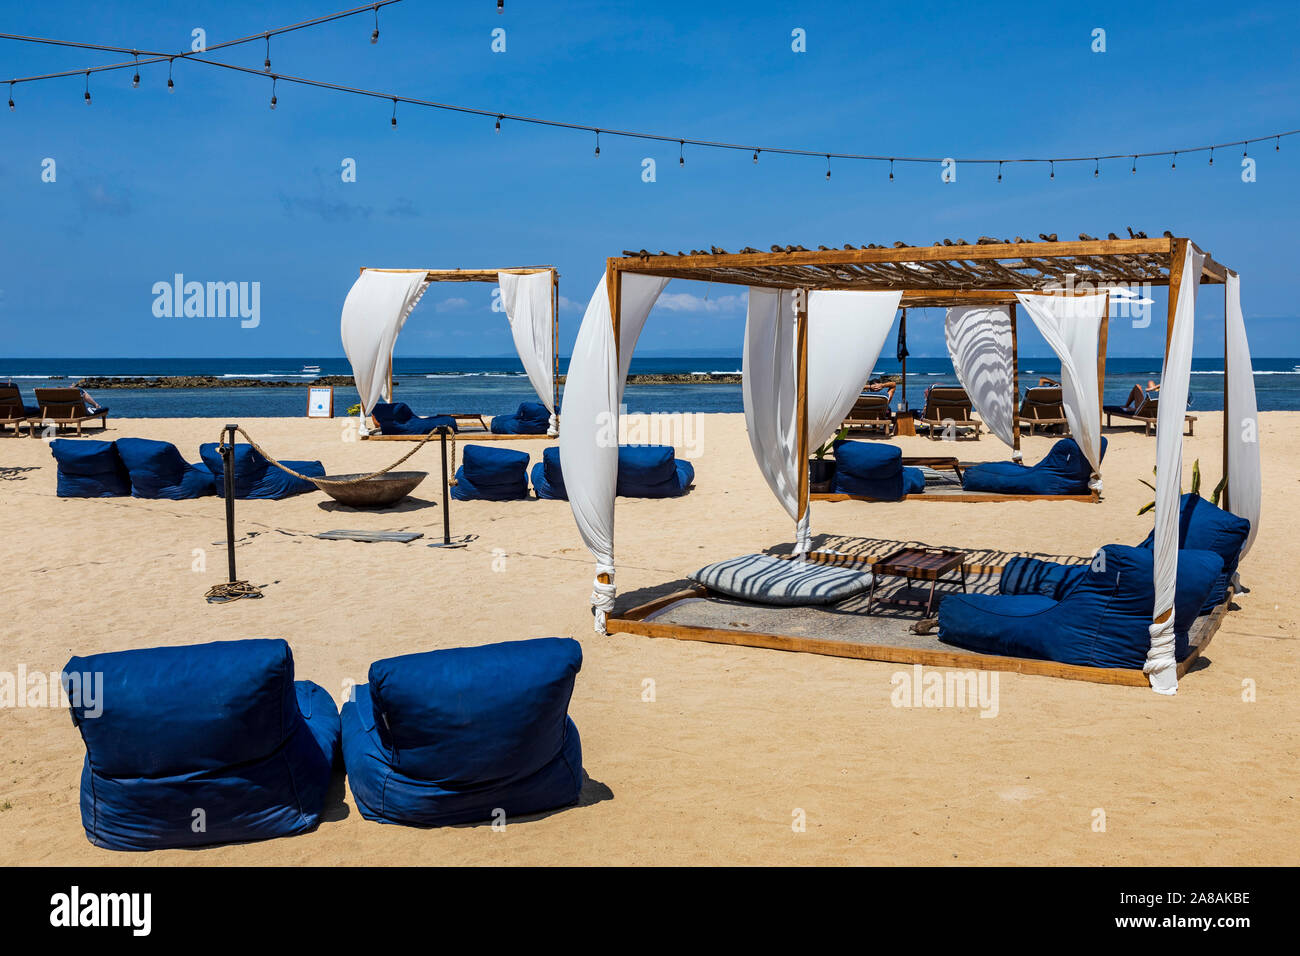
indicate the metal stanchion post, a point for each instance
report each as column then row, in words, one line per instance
column 228, row 456
column 446, row 541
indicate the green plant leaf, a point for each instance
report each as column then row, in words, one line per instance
column 1146, row 507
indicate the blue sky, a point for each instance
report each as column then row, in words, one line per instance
column 210, row 183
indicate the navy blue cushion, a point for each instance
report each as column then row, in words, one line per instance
column 644, row 471
column 1100, row 619
column 913, row 481
column 220, row 727
column 870, row 469
column 1063, row 471
column 452, row 736
column 157, row 470
column 530, row 418
column 1204, row 525
column 255, row 477
column 491, row 474
column 89, row 469
column 398, row 419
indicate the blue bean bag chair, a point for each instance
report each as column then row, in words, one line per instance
column 88, row 468
column 398, row 419
column 157, row 470
column 255, row 477
column 530, row 418
column 874, row 470
column 1205, row 526
column 644, row 471
column 454, row 736
column 190, row 746
column 491, row 474
column 548, row 480
column 1063, row 471
column 1098, row 618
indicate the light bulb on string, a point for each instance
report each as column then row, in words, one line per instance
column 681, row 152
column 828, row 167
column 1135, row 166
column 1277, row 145
column 11, row 97
column 266, row 64
column 1096, row 168
column 755, row 157
column 273, row 92
column 135, row 80
column 394, row 112
column 1211, row 155
column 1173, row 163
column 87, row 87
column 891, row 170
column 374, row 37
column 1053, row 176
column 1243, row 150
column 597, row 142
column 501, row 6
column 999, row 170
column 171, row 84
column 499, row 119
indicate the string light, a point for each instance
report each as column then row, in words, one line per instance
column 828, row 167
column 499, row 119
column 681, row 152
column 1173, row 163
column 597, row 142
column 273, row 92
column 374, row 37
column 1211, row 155
column 394, row 112
column 267, row 63
column 1096, row 169
column 11, row 97
column 891, row 170
column 87, row 87
column 501, row 6
column 1053, row 176
column 1277, row 145
column 1243, row 150
column 1135, row 166
column 999, row 170
column 171, row 84
column 135, row 80
column 756, row 157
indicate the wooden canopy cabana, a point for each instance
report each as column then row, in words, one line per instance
column 491, row 276
column 947, row 274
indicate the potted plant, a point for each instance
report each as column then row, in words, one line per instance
column 1196, row 487
column 821, row 470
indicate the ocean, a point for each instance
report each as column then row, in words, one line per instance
column 496, row 385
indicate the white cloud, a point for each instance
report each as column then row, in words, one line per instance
column 685, row 302
column 451, row 305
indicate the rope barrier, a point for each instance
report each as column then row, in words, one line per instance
column 319, row 482
column 231, row 591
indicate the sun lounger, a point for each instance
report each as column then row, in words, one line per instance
column 1144, row 408
column 396, row 418
column 202, row 744
column 65, row 406
column 491, row 474
column 88, row 468
column 948, row 411
column 465, row 734
column 1062, row 471
column 1043, row 408
column 530, row 418
column 870, row 411
column 12, row 410
column 1095, row 616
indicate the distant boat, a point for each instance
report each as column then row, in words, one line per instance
column 311, row 370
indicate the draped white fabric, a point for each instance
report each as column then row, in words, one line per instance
column 373, row 313
column 1070, row 324
column 593, row 393
column 528, row 303
column 846, row 331
column 1161, row 666
column 979, row 342
column 1244, row 478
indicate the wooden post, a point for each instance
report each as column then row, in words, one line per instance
column 1178, row 251
column 1015, row 386
column 614, row 287
column 555, row 344
column 1101, row 359
column 801, row 397
column 390, row 376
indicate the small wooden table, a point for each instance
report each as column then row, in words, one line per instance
column 917, row 564
column 938, row 463
column 904, row 423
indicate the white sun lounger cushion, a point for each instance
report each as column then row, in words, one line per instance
column 766, row 579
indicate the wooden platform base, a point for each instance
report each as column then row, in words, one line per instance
column 465, row 437
column 961, row 496
column 637, row 621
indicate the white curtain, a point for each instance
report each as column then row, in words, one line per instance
column 1071, row 324
column 1161, row 666
column 846, row 331
column 979, row 342
column 1244, row 477
column 528, row 303
column 373, row 313
column 593, row 393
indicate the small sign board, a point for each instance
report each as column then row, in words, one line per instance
column 320, row 401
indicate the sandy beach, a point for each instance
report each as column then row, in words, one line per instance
column 737, row 740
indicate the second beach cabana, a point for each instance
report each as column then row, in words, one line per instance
column 381, row 300
column 816, row 322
